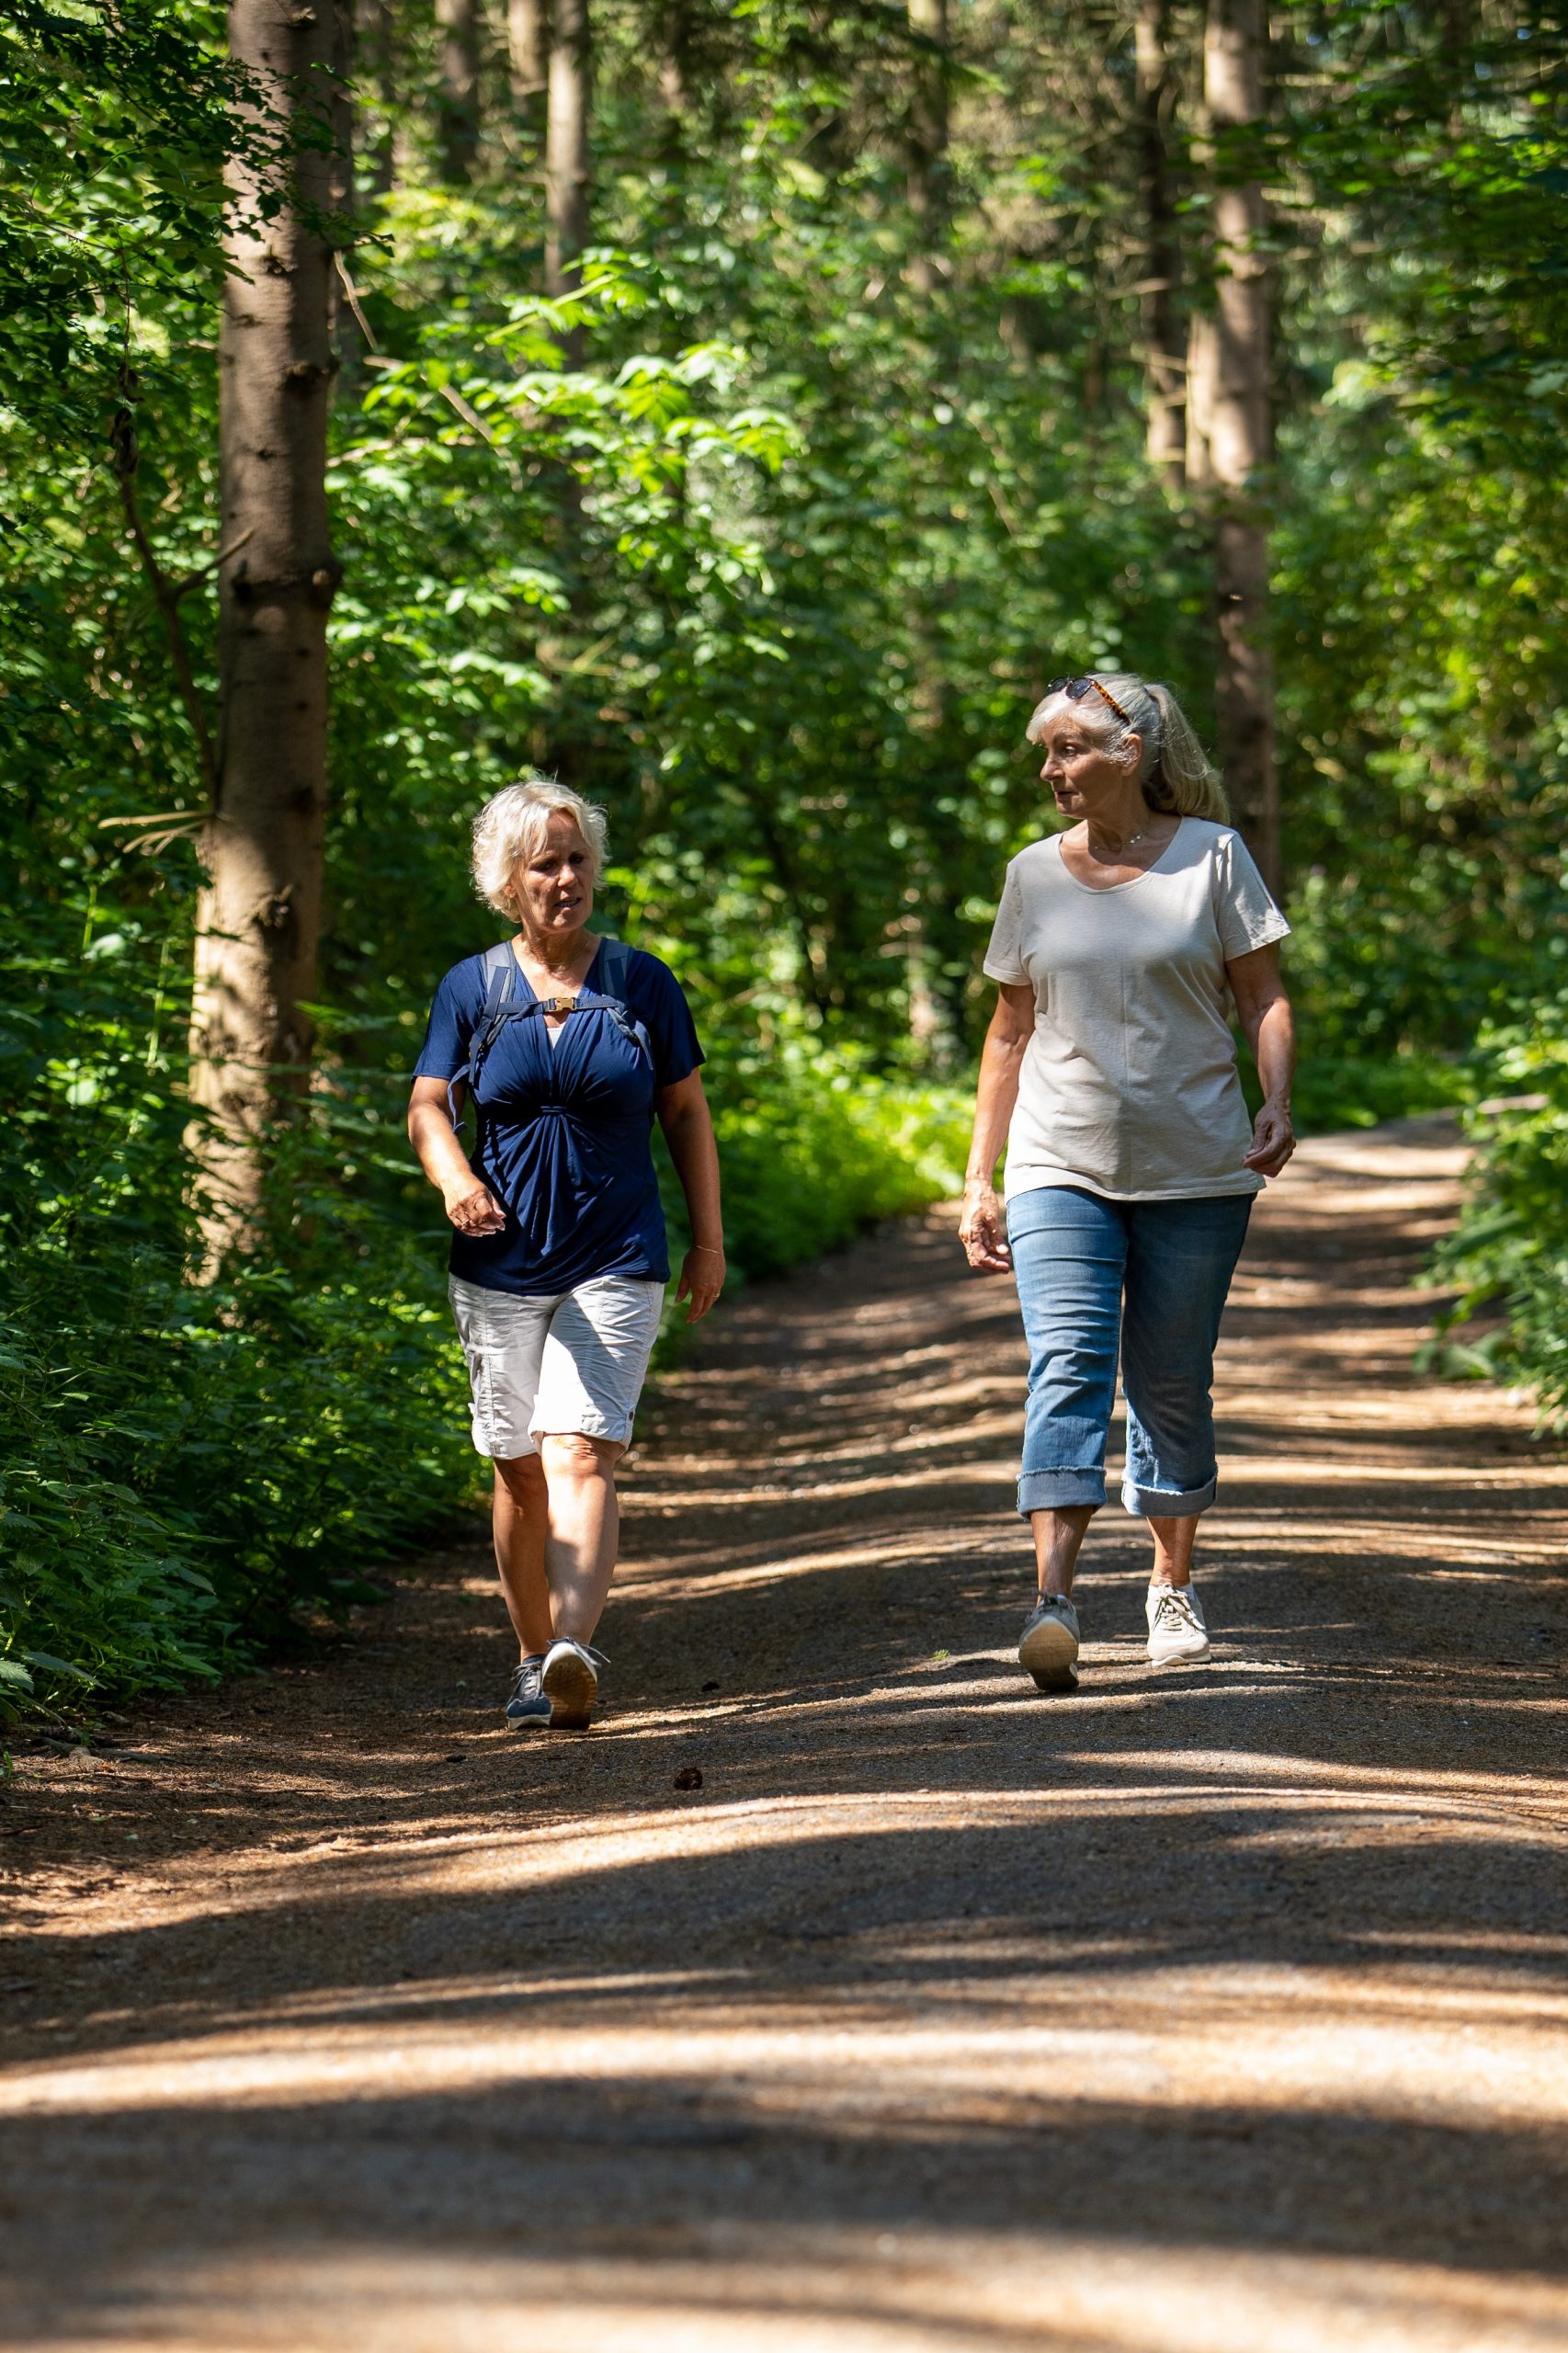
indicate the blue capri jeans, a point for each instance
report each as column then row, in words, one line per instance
column 1153, row 1275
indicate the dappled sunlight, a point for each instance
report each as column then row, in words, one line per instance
column 1255, row 2038
column 835, row 2288
column 839, row 1988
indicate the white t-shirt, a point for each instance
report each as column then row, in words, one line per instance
column 1129, row 1085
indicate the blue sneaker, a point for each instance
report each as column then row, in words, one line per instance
column 1048, row 1647
column 527, row 1704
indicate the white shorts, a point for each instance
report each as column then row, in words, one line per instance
column 573, row 1361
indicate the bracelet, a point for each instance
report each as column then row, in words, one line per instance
column 708, row 1249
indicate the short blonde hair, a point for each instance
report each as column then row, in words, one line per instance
column 512, row 824
column 1173, row 769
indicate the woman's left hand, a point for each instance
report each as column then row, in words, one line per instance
column 701, row 1281
column 1273, row 1140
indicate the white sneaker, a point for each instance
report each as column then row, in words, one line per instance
column 1176, row 1630
column 1048, row 1647
column 570, row 1681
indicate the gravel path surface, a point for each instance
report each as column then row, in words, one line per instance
column 838, row 1991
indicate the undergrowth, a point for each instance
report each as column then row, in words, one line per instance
column 190, row 1472
column 1507, row 1257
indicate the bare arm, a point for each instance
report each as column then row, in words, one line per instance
column 688, row 1124
column 983, row 1229
column 1264, row 1010
column 470, row 1206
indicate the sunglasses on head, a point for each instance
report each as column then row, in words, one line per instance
column 1076, row 689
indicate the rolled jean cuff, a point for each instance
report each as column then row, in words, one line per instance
column 1058, row 1489
column 1167, row 1503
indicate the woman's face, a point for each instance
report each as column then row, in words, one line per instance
column 554, row 887
column 1083, row 776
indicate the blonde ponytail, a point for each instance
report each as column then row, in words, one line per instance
column 1180, row 776
column 1173, row 766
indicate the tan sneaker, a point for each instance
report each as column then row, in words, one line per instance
column 570, row 1681
column 1177, row 1634
column 1048, row 1647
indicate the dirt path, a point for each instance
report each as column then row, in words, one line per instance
column 1225, row 2012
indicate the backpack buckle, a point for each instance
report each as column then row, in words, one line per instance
column 558, row 1005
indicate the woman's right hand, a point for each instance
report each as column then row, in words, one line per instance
column 982, row 1230
column 473, row 1209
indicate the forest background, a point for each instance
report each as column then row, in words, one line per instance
column 739, row 410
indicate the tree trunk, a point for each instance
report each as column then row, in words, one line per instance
column 675, row 77
column 567, row 144
column 457, row 23
column 259, row 914
column 342, row 323
column 567, row 101
column 1163, row 367
column 925, row 167
column 1228, row 436
column 528, row 37
column 928, row 139
column 376, row 59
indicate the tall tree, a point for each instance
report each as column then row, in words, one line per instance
column 929, row 201
column 1165, row 366
column 1229, row 420
column 567, row 144
column 927, row 148
column 675, row 69
column 527, row 39
column 259, row 914
column 457, row 22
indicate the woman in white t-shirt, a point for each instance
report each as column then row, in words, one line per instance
column 1109, row 1071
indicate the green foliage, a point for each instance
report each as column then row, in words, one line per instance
column 118, row 123
column 185, row 1466
column 816, row 1146
column 1334, row 1092
column 190, row 1471
column 1423, row 636
column 768, row 537
column 1509, row 1254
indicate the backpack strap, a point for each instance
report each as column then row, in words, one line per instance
column 500, row 975
column 613, row 961
column 500, row 985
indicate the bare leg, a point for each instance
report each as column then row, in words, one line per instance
column 519, row 1522
column 1057, row 1537
column 584, row 1527
column 1173, row 1549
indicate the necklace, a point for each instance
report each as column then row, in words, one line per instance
column 1116, row 855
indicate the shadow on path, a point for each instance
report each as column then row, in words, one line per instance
column 1227, row 2009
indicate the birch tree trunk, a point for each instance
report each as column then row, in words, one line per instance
column 1229, row 433
column 1165, row 366
column 457, row 23
column 259, row 914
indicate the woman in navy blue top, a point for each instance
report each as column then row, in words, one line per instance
column 569, row 1046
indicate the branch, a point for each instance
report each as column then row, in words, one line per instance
column 150, row 835
column 469, row 415
column 352, row 292
column 166, row 594
column 179, row 589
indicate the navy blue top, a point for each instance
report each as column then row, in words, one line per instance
column 565, row 1130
